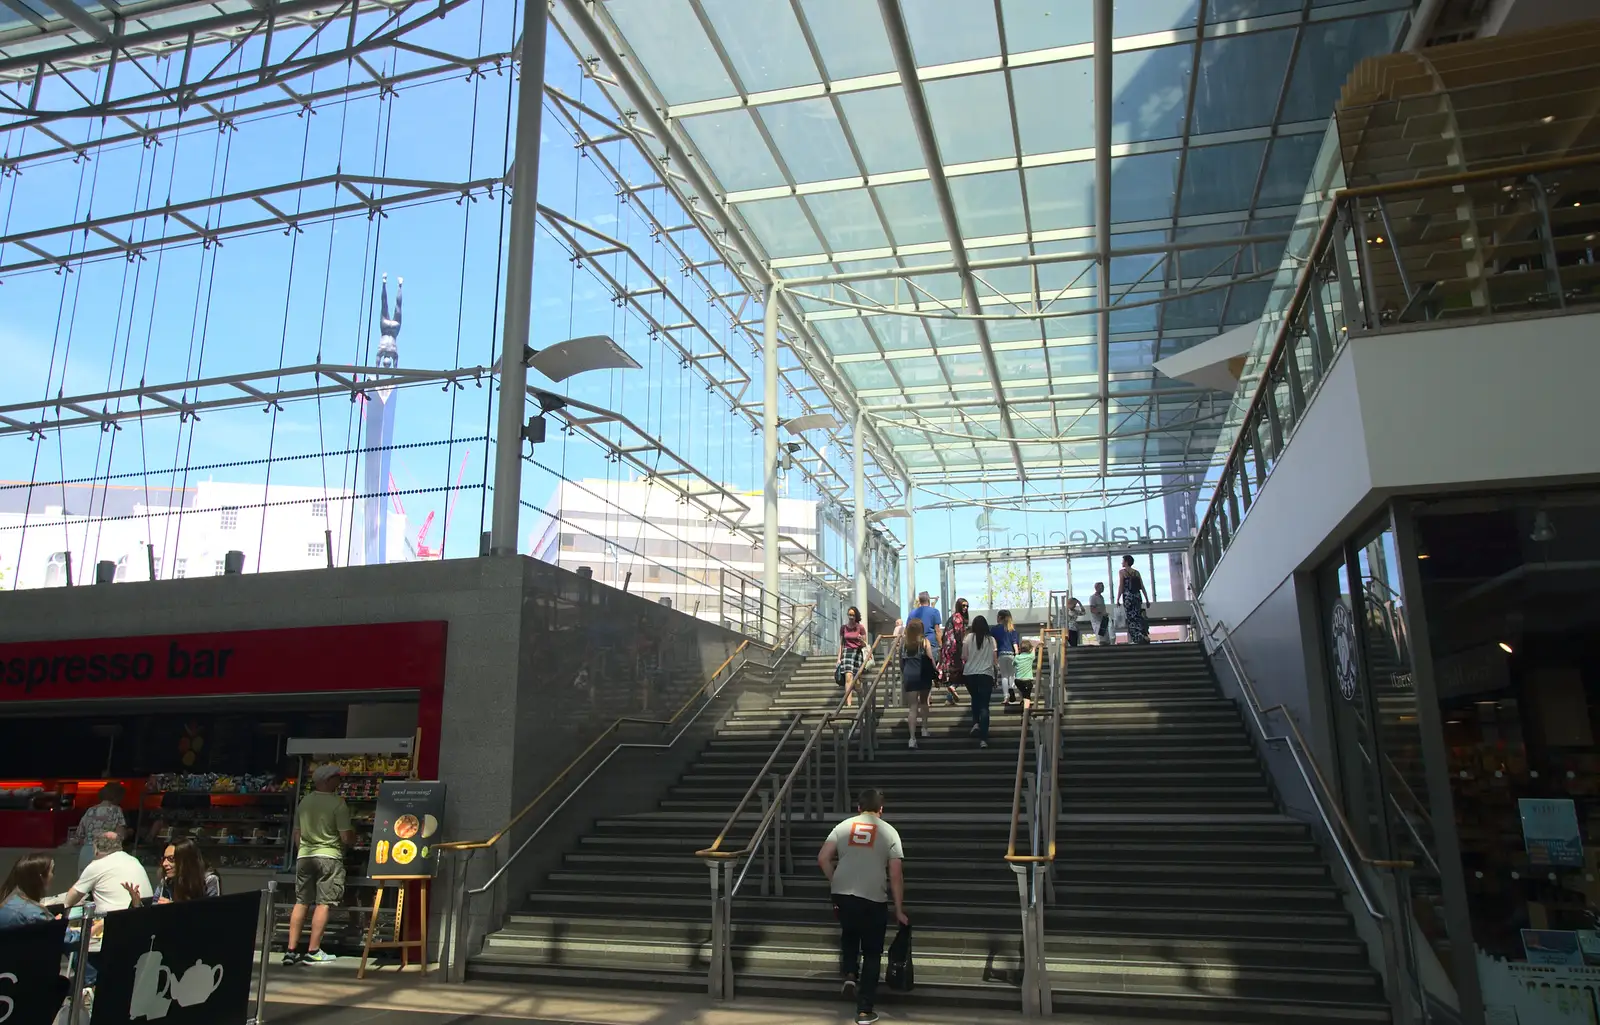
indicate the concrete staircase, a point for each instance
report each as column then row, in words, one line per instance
column 1182, row 894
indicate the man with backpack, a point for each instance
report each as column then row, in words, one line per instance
column 862, row 860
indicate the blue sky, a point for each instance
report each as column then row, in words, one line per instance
column 268, row 299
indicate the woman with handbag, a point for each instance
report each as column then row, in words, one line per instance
column 916, row 677
column 852, row 654
column 950, row 657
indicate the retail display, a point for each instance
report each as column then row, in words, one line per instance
column 238, row 822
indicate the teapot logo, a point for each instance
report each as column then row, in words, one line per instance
column 155, row 986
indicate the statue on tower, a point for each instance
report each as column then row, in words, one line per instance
column 379, row 411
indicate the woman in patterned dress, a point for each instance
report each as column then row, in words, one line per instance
column 105, row 817
column 950, row 669
column 1130, row 589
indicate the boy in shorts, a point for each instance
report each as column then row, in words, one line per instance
column 1026, row 659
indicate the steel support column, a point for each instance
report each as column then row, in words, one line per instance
column 1103, row 113
column 769, row 456
column 860, row 490
column 911, row 550
column 519, row 284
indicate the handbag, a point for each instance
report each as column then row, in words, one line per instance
column 901, row 974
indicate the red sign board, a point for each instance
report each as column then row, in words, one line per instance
column 377, row 656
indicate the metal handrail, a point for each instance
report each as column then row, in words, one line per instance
column 1309, row 274
column 795, row 623
column 1321, row 793
column 715, row 851
column 1048, row 707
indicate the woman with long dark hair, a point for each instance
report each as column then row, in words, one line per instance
column 978, row 650
column 23, row 893
column 184, row 874
column 916, row 677
column 1130, row 590
column 950, row 654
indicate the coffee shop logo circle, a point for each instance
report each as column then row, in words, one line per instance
column 1342, row 626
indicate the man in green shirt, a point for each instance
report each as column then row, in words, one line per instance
column 322, row 831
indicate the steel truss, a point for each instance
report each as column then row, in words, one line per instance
column 980, row 556
column 188, row 399
column 658, row 464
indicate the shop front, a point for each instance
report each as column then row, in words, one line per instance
column 212, row 736
column 1461, row 640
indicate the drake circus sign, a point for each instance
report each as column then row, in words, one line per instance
column 323, row 658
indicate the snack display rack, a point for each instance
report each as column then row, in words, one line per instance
column 239, row 822
column 367, row 762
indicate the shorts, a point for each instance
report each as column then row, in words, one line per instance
column 318, row 880
column 1025, row 688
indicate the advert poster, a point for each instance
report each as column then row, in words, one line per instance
column 1552, row 947
column 405, row 830
column 1550, row 832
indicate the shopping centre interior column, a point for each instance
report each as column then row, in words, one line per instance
column 860, row 489
column 769, row 456
column 911, row 549
column 519, row 285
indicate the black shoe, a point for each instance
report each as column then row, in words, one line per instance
column 292, row 958
column 868, row 1017
column 849, row 987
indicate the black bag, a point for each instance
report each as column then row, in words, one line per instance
column 901, row 974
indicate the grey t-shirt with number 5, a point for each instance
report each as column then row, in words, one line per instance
column 866, row 844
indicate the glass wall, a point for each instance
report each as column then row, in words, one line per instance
column 1510, row 586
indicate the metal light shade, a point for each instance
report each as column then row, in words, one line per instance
column 810, row 422
column 580, row 355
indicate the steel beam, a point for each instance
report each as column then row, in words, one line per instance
column 1104, row 111
column 769, row 460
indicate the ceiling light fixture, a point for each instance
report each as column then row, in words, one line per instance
column 1505, row 647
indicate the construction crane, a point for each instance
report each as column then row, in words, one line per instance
column 423, row 551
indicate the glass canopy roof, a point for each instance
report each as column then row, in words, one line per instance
column 923, row 176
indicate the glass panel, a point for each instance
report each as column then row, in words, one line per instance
column 970, row 117
column 988, row 204
column 764, row 42
column 1327, row 53
column 810, row 140
column 880, row 123
column 966, row 367
column 850, row 38
column 1042, row 24
column 733, row 146
column 1288, row 168
column 1042, row 92
column 667, row 39
column 1151, row 88
column 1240, row 80
column 869, row 375
column 848, row 219
column 1061, row 196
column 1219, row 178
column 845, row 336
column 1142, row 186
column 911, row 211
column 946, row 31
column 1245, row 302
column 1126, row 356
column 1203, row 309
column 1137, row 17
column 780, row 227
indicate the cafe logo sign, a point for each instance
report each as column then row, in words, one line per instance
column 1346, row 668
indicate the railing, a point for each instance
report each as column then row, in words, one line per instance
column 1035, row 813
column 462, row 852
column 1472, row 245
column 773, row 837
column 1352, row 853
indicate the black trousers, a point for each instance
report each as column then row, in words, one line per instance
column 862, row 924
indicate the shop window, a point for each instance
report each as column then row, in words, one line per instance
column 230, row 518
column 55, row 570
column 316, row 550
column 157, row 562
column 568, row 542
column 180, row 569
column 219, row 568
column 319, row 510
column 122, row 568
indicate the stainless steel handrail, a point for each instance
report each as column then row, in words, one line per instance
column 1305, row 762
column 466, row 850
column 1035, row 870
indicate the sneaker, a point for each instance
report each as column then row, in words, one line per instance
column 912, row 744
column 975, row 729
column 866, row 1017
column 292, row 958
column 983, row 743
column 849, row 987
column 319, row 957
column 926, row 733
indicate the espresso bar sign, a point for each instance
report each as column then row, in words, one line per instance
column 361, row 657
column 405, row 830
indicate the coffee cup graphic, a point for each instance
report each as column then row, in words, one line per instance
column 152, row 987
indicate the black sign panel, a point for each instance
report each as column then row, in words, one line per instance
column 187, row 963
column 31, row 984
column 405, row 830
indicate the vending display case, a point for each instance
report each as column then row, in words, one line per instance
column 239, row 822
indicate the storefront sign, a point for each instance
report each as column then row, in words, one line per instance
column 362, row 657
column 186, row 963
column 1550, row 832
column 31, row 985
column 405, row 830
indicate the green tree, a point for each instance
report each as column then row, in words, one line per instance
column 1013, row 586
